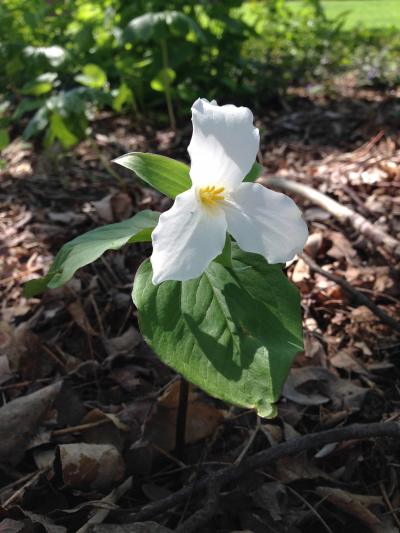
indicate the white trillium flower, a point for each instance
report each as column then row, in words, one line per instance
column 192, row 233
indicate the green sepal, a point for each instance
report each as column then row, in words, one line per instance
column 255, row 172
column 225, row 257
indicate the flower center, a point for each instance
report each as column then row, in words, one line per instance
column 211, row 196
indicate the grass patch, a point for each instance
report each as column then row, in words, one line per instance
column 371, row 14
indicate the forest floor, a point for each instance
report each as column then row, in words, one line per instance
column 87, row 423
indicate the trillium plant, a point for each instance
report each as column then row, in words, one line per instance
column 212, row 300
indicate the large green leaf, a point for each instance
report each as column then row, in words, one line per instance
column 90, row 246
column 234, row 332
column 158, row 25
column 163, row 173
column 167, row 175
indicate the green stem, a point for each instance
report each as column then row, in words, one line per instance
column 107, row 165
column 168, row 98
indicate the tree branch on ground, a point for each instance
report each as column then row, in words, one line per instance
column 344, row 214
column 357, row 296
column 264, row 458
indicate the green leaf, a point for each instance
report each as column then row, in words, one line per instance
column 145, row 27
column 92, row 76
column 37, row 123
column 163, row 173
column 26, row 106
column 55, row 55
column 163, row 80
column 59, row 130
column 255, row 172
column 234, row 332
column 4, row 138
column 90, row 246
column 158, row 25
column 41, row 85
column 4, row 106
column 123, row 96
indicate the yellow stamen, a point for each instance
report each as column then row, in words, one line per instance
column 210, row 196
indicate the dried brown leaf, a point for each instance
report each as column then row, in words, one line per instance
column 5, row 370
column 95, row 466
column 355, row 505
column 20, row 420
column 123, row 344
column 78, row 313
column 202, row 419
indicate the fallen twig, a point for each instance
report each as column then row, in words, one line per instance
column 265, row 457
column 389, row 505
column 79, row 429
column 358, row 296
column 20, row 492
column 113, row 497
column 343, row 213
column 201, row 517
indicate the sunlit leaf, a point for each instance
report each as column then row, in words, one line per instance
column 234, row 332
column 40, row 85
column 92, row 76
column 124, row 96
column 163, row 173
column 55, row 55
column 163, row 79
column 90, row 246
column 59, row 130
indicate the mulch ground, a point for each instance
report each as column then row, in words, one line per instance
column 87, row 423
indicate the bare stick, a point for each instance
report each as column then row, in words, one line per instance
column 80, row 428
column 343, row 213
column 201, row 517
column 265, row 457
column 358, row 296
column 112, row 498
column 20, row 492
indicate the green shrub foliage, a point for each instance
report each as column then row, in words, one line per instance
column 64, row 59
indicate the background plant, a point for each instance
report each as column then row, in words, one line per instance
column 65, row 60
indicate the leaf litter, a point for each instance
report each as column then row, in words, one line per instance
column 88, row 412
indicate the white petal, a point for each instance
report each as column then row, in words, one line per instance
column 224, row 144
column 265, row 222
column 186, row 239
